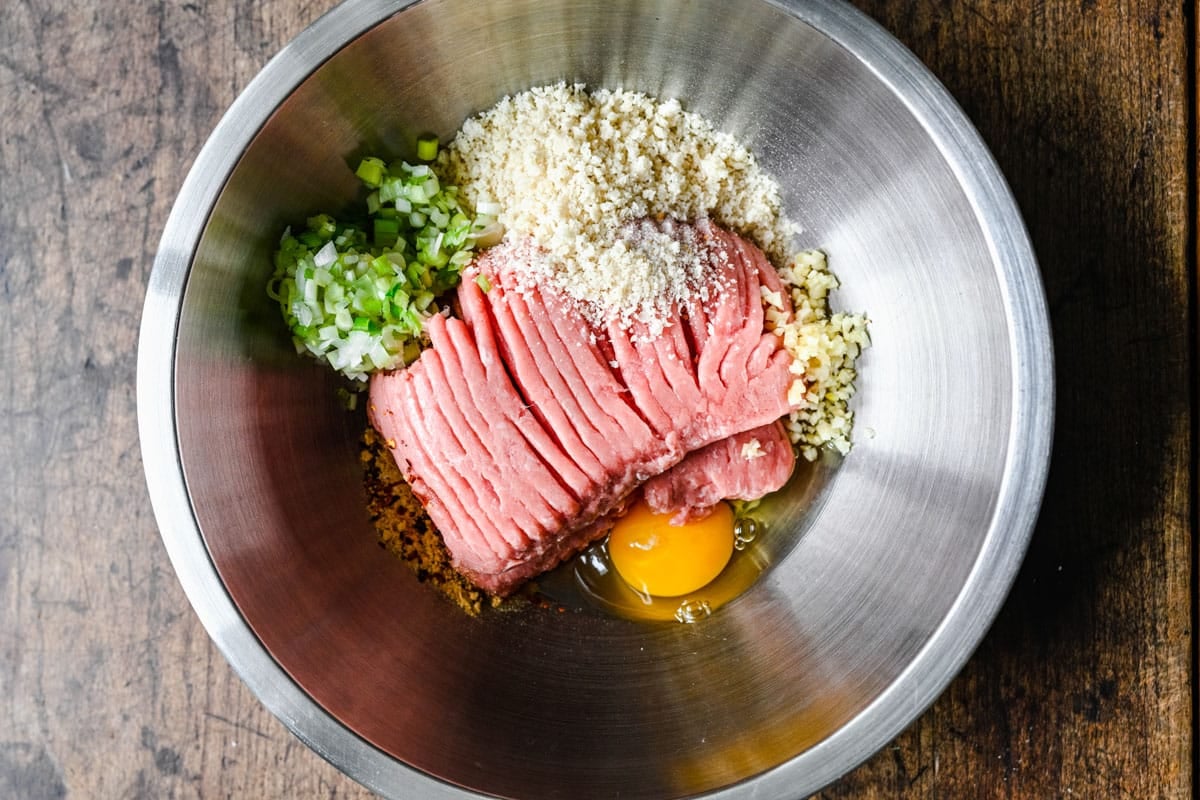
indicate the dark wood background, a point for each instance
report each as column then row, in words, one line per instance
column 1085, row 685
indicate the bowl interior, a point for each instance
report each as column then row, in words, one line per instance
column 575, row 704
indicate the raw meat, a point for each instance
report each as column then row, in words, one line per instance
column 523, row 429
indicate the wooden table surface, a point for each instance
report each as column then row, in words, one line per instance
column 1083, row 688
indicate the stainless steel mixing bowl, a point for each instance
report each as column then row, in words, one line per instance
column 883, row 583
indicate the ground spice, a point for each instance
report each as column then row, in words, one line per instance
column 406, row 530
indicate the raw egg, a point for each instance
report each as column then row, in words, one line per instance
column 663, row 560
column 648, row 569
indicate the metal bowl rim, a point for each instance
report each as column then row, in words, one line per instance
column 918, row 685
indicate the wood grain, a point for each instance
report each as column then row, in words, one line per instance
column 110, row 687
column 1083, row 688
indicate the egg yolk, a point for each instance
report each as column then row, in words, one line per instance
column 665, row 560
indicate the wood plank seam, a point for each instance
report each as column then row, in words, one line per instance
column 1192, row 76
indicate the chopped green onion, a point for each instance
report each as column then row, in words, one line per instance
column 349, row 399
column 427, row 147
column 489, row 208
column 371, row 171
column 359, row 297
column 483, row 283
column 387, row 231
